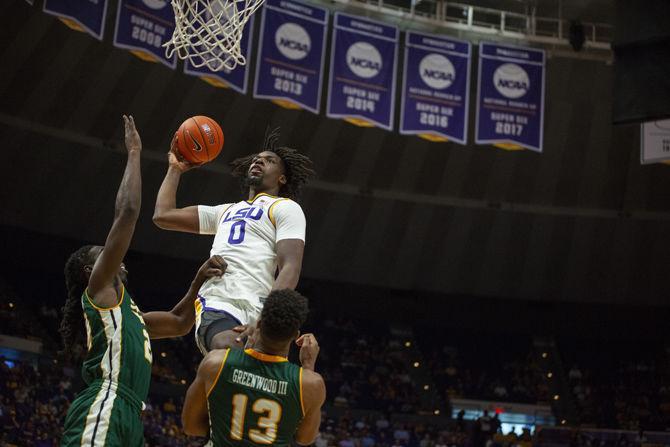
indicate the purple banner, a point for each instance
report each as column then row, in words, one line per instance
column 362, row 80
column 510, row 97
column 289, row 68
column 436, row 86
column 142, row 26
column 88, row 17
column 237, row 78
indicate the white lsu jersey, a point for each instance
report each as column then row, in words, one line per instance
column 247, row 233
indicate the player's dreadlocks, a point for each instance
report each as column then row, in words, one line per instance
column 298, row 167
column 284, row 312
column 75, row 281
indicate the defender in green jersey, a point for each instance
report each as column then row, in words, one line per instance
column 256, row 397
column 117, row 366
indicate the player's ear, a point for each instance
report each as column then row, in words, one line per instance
column 282, row 180
column 88, row 269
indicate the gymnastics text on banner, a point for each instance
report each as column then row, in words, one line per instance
column 289, row 66
column 362, row 80
column 655, row 142
column 510, row 97
column 238, row 77
column 142, row 26
column 88, row 17
column 436, row 88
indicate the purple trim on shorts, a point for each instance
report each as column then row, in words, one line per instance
column 211, row 309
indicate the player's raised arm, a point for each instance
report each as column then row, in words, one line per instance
column 179, row 321
column 198, row 140
column 127, row 210
column 195, row 415
column 166, row 214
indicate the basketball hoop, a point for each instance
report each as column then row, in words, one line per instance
column 208, row 32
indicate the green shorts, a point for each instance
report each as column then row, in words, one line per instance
column 104, row 415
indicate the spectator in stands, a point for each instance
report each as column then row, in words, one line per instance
column 525, row 437
column 495, row 424
column 427, row 441
column 169, row 407
column 382, row 423
column 401, row 433
column 506, row 440
column 460, row 422
column 483, row 429
column 500, row 391
column 575, row 373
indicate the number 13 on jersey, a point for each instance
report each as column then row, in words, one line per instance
column 270, row 415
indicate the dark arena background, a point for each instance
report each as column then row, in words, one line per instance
column 462, row 295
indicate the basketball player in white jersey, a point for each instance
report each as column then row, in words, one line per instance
column 261, row 238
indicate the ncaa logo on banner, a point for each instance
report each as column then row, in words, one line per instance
column 364, row 60
column 292, row 41
column 437, row 71
column 511, row 81
column 155, row 4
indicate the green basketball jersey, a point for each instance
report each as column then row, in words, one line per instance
column 255, row 400
column 119, row 350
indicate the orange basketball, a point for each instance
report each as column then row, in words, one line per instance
column 199, row 139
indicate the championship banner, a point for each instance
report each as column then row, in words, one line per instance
column 88, row 17
column 510, row 97
column 436, row 87
column 142, row 26
column 655, row 142
column 363, row 71
column 289, row 68
column 237, row 78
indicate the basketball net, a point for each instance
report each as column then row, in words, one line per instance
column 208, row 32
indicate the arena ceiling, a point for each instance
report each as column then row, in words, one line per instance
column 581, row 222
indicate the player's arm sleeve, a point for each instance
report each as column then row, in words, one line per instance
column 289, row 219
column 210, row 216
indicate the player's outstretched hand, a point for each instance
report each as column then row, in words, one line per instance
column 309, row 350
column 176, row 160
column 132, row 137
column 214, row 266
